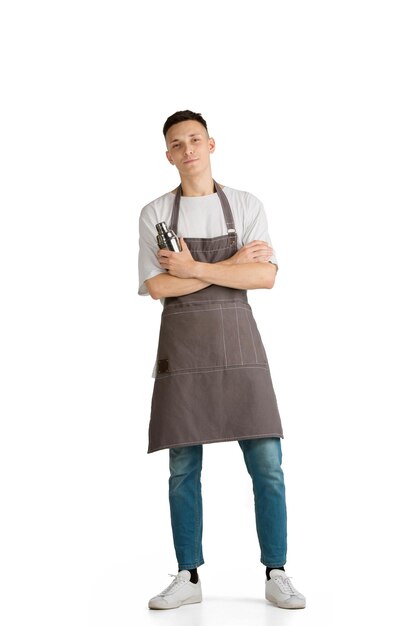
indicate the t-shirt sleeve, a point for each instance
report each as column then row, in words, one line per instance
column 148, row 261
column 256, row 225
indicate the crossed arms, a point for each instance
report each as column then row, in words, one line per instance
column 248, row 268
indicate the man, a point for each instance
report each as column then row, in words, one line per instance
column 212, row 380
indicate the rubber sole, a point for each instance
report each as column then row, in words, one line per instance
column 283, row 606
column 193, row 600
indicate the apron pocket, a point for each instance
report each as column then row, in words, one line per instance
column 243, row 341
column 191, row 340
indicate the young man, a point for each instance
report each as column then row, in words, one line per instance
column 212, row 380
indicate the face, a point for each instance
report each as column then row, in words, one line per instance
column 189, row 147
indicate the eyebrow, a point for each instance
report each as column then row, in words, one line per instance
column 190, row 135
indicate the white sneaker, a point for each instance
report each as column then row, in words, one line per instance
column 280, row 591
column 180, row 591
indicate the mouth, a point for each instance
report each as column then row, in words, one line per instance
column 190, row 161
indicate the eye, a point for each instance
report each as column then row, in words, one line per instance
column 196, row 139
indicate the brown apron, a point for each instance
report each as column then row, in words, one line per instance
column 213, row 381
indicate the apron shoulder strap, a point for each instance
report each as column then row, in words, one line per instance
column 176, row 210
column 227, row 211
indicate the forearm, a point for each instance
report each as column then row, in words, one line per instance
column 248, row 268
column 237, row 276
column 168, row 286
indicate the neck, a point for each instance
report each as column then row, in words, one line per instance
column 197, row 186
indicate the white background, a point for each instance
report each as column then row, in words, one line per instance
column 312, row 105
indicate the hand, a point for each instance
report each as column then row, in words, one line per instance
column 253, row 252
column 179, row 264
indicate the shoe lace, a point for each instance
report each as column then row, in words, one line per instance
column 178, row 581
column 286, row 584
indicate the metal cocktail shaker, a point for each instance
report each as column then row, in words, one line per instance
column 166, row 238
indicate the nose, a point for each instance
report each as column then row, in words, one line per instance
column 188, row 150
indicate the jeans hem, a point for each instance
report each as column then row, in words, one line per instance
column 273, row 564
column 190, row 565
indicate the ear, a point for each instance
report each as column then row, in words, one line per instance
column 212, row 144
column 168, row 156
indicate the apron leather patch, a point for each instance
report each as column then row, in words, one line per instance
column 163, row 366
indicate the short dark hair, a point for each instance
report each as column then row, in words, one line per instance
column 183, row 116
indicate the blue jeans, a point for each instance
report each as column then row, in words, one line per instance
column 263, row 459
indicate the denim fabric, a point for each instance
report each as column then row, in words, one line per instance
column 263, row 459
column 186, row 504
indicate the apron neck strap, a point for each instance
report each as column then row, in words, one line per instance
column 227, row 211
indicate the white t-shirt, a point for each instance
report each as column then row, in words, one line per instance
column 199, row 216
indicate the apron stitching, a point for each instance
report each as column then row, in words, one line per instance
column 203, row 310
column 211, row 244
column 238, row 333
column 224, row 341
column 209, row 240
column 251, row 334
column 196, row 311
column 211, row 300
column 192, row 249
column 193, row 443
column 220, row 368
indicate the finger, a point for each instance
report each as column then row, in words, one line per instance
column 163, row 252
column 263, row 252
column 260, row 248
column 258, row 251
